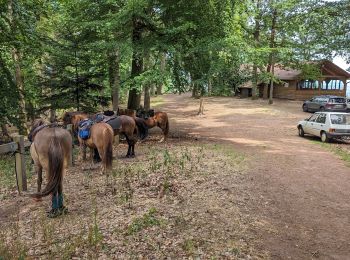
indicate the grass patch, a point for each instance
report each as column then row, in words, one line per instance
column 147, row 220
column 8, row 172
column 157, row 101
column 343, row 154
column 233, row 157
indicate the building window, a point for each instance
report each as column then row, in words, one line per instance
column 332, row 84
column 308, row 84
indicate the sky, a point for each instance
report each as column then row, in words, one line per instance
column 341, row 62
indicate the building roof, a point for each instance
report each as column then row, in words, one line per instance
column 285, row 73
column 329, row 69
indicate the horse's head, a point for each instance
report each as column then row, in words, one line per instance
column 76, row 118
column 36, row 123
column 66, row 118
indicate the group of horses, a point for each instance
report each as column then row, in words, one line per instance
column 51, row 147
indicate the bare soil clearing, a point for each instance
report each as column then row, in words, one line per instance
column 299, row 191
column 236, row 183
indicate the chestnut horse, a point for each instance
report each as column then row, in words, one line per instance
column 159, row 119
column 100, row 139
column 51, row 150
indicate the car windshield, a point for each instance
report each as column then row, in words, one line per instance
column 340, row 119
column 337, row 100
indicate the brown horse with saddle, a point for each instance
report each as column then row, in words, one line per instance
column 120, row 125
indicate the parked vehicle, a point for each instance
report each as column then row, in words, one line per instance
column 325, row 103
column 348, row 104
column 327, row 125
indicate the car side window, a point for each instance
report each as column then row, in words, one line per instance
column 313, row 118
column 321, row 119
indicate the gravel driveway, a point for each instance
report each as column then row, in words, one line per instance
column 298, row 190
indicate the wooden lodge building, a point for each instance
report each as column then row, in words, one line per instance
column 333, row 82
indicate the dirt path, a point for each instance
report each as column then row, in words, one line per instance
column 299, row 191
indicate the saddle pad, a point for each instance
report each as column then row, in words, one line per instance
column 114, row 122
column 84, row 128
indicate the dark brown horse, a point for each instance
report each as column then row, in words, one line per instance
column 100, row 139
column 51, row 150
column 125, row 125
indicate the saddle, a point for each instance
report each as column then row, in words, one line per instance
column 84, row 128
column 114, row 121
column 36, row 130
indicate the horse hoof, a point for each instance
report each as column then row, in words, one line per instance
column 132, row 156
column 128, row 156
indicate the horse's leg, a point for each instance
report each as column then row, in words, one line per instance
column 133, row 149
column 163, row 131
column 97, row 157
column 39, row 170
column 102, row 155
column 82, row 152
column 133, row 142
column 91, row 157
column 129, row 146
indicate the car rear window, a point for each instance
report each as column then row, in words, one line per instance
column 337, row 100
column 340, row 119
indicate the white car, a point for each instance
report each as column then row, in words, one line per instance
column 326, row 125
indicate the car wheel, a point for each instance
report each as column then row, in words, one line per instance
column 322, row 109
column 305, row 109
column 324, row 137
column 301, row 131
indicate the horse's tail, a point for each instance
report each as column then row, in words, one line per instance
column 108, row 152
column 141, row 127
column 55, row 169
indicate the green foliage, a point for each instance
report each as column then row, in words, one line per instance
column 65, row 47
column 310, row 71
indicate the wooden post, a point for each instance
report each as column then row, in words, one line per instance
column 201, row 107
column 20, row 164
column 70, row 130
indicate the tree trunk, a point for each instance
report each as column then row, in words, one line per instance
column 137, row 64
column 272, row 53
column 201, row 107
column 266, row 91
column 77, row 90
column 194, row 90
column 160, row 87
column 209, row 87
column 153, row 90
column 16, row 56
column 256, row 41
column 147, row 98
column 4, row 130
column 114, row 77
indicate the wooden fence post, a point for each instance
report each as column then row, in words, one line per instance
column 20, row 164
column 70, row 130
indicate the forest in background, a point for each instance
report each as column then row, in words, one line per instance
column 89, row 54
